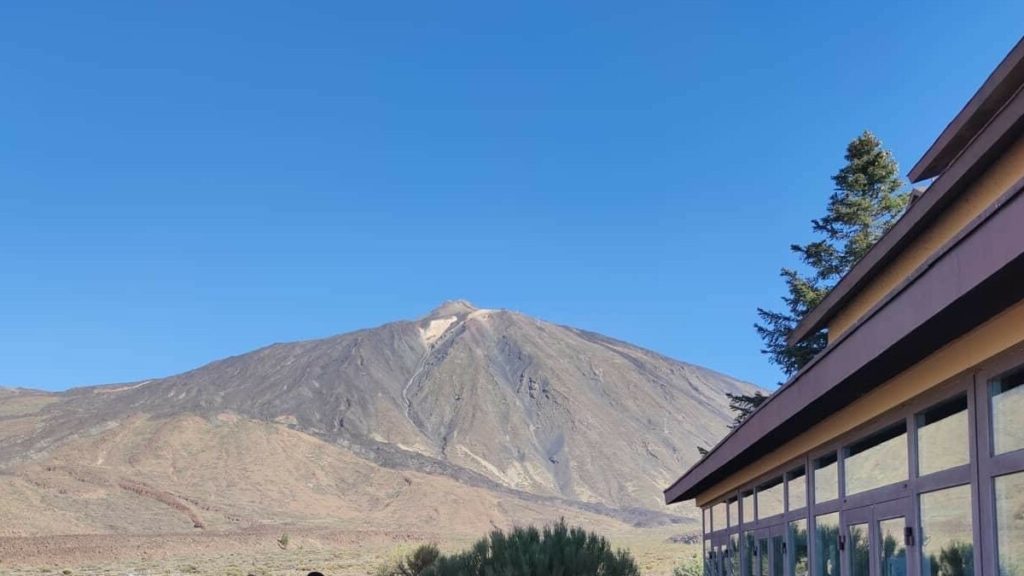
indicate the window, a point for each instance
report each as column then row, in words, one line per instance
column 878, row 460
column 893, row 555
column 750, row 558
column 733, row 556
column 718, row 519
column 769, row 499
column 943, row 437
column 860, row 553
column 747, row 502
column 798, row 544
column 826, row 545
column 1009, row 492
column 796, row 486
column 708, row 528
column 734, row 513
column 1007, row 394
column 826, row 478
column 947, row 538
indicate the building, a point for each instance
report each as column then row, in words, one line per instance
column 900, row 448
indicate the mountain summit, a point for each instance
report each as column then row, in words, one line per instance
column 464, row 405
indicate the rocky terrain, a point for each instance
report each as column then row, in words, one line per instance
column 450, row 424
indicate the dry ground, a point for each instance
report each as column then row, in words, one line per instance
column 257, row 552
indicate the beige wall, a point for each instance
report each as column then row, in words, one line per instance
column 971, row 349
column 988, row 188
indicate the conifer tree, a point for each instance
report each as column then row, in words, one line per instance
column 866, row 202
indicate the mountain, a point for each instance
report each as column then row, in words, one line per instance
column 465, row 418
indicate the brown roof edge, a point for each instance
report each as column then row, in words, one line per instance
column 996, row 136
column 997, row 89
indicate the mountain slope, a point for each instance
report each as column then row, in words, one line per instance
column 470, row 401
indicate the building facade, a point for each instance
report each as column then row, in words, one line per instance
column 899, row 450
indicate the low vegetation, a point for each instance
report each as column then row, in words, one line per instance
column 557, row 550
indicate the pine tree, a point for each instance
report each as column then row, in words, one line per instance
column 866, row 202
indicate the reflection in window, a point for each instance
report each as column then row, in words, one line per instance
column 947, row 538
column 860, row 555
column 893, row 557
column 778, row 554
column 762, row 556
column 733, row 556
column 798, row 544
column 942, row 437
column 709, row 559
column 750, row 559
column 826, row 478
column 747, row 501
column 1007, row 394
column 1010, row 523
column 878, row 460
column 708, row 528
column 796, row 485
column 826, row 545
column 734, row 513
column 718, row 519
column 769, row 499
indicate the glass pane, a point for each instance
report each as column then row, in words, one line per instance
column 826, row 545
column 734, row 556
column 734, row 513
column 750, row 545
column 947, row 539
column 1010, row 524
column 797, row 487
column 778, row 559
column 879, row 460
column 769, row 499
column 893, row 555
column 747, row 500
column 1007, row 408
column 942, row 437
column 826, row 478
column 798, row 544
column 762, row 556
column 860, row 554
column 718, row 519
column 709, row 559
column 708, row 528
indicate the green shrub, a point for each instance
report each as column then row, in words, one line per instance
column 693, row 566
column 555, row 551
column 413, row 564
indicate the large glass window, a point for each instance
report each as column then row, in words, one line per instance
column 734, row 513
column 769, row 498
column 798, row 544
column 826, row 545
column 708, row 527
column 878, row 460
column 796, row 486
column 943, row 439
column 1007, row 393
column 893, row 555
column 747, row 502
column 1010, row 523
column 733, row 556
column 718, row 517
column 826, row 478
column 947, row 538
column 750, row 558
column 860, row 550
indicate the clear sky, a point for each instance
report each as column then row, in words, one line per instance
column 184, row 181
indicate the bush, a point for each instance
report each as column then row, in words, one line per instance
column 693, row 566
column 414, row 564
column 556, row 551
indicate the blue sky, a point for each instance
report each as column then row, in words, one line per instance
column 183, row 181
